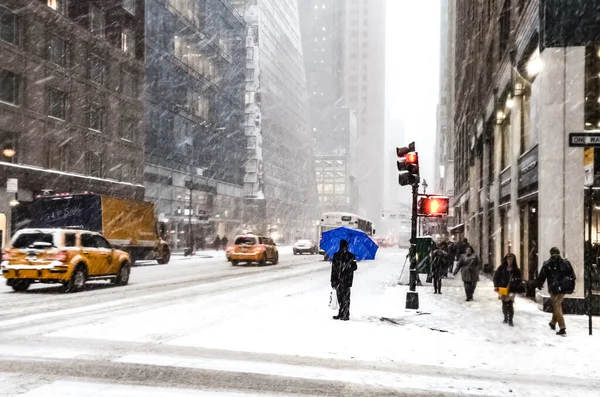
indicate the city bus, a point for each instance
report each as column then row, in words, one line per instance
column 332, row 220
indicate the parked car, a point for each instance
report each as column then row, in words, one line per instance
column 250, row 248
column 68, row 257
column 305, row 247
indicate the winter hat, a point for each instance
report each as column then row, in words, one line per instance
column 554, row 251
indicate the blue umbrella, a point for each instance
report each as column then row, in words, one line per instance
column 360, row 244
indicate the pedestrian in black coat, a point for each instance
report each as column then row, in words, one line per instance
column 508, row 275
column 438, row 269
column 343, row 266
column 559, row 273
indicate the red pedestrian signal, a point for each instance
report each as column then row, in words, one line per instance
column 434, row 206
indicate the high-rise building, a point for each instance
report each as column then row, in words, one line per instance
column 444, row 152
column 71, row 88
column 279, row 187
column 333, row 124
column 195, row 65
column 364, row 90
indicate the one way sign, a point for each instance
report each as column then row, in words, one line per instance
column 583, row 139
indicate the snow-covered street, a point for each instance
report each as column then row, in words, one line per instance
column 200, row 327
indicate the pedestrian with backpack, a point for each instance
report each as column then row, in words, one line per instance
column 561, row 281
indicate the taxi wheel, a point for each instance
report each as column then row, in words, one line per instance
column 276, row 259
column 235, row 263
column 166, row 257
column 21, row 285
column 77, row 281
column 124, row 273
column 263, row 260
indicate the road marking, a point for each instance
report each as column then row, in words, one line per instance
column 369, row 378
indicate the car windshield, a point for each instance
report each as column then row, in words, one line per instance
column 26, row 240
column 245, row 240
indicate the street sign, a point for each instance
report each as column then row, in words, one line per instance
column 12, row 185
column 584, row 139
column 588, row 166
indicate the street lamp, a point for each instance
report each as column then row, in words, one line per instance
column 9, row 152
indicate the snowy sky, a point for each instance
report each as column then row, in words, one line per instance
column 413, row 57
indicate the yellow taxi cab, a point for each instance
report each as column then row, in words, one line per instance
column 68, row 257
column 250, row 248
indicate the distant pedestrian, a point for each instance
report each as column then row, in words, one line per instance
column 452, row 252
column 469, row 266
column 217, row 243
column 508, row 275
column 202, row 242
column 343, row 267
column 561, row 280
column 461, row 248
column 438, row 268
column 224, row 242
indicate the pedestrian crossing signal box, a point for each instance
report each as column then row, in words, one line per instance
column 433, row 206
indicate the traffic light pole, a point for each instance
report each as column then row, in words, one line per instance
column 413, row 239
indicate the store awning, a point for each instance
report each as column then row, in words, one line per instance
column 457, row 229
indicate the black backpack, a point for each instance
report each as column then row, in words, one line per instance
column 566, row 277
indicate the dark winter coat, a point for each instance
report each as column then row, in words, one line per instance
column 554, row 270
column 461, row 249
column 469, row 266
column 438, row 262
column 504, row 278
column 452, row 251
column 342, row 269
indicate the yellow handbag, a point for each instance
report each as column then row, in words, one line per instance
column 503, row 291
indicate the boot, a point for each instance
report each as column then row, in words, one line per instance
column 511, row 313
column 562, row 332
column 553, row 326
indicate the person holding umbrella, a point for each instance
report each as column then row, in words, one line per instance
column 343, row 266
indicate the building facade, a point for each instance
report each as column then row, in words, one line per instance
column 332, row 123
column 279, row 185
column 195, row 58
column 363, row 64
column 71, row 88
column 519, row 187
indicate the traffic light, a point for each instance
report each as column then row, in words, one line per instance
column 408, row 165
column 434, row 206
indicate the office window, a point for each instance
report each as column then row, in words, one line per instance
column 96, row 117
column 9, row 87
column 58, row 50
column 128, row 41
column 97, row 67
column 57, row 156
column 57, row 5
column 9, row 26
column 95, row 165
column 96, row 21
column 250, row 53
column 57, row 103
column 128, row 84
column 129, row 6
column 127, row 128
